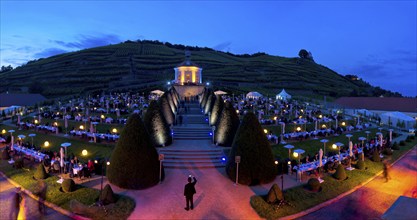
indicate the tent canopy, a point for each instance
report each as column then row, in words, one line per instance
column 283, row 95
column 220, row 92
column 157, row 92
column 253, row 95
column 396, row 118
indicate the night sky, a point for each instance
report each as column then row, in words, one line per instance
column 375, row 40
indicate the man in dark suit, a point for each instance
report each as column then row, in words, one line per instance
column 189, row 192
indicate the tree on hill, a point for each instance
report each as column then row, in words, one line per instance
column 157, row 125
column 134, row 162
column 226, row 126
column 303, row 54
column 166, row 109
column 216, row 110
column 257, row 160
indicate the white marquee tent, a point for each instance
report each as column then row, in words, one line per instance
column 283, row 95
column 395, row 117
column 253, row 95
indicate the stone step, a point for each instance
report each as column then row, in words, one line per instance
column 193, row 150
column 194, row 166
column 191, row 138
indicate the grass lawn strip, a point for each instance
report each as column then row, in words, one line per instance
column 87, row 196
column 303, row 199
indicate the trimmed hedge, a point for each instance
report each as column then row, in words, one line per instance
column 375, row 156
column 360, row 165
column 274, row 194
column 340, row 173
column 40, row 172
column 226, row 126
column 134, row 161
column 402, row 143
column 107, row 195
column 216, row 110
column 68, row 185
column 257, row 161
column 313, row 184
column 157, row 126
column 210, row 102
column 387, row 151
column 166, row 109
column 395, row 146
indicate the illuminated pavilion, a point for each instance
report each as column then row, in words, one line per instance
column 187, row 72
column 188, row 78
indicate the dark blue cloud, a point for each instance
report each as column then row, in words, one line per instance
column 223, row 46
column 88, row 41
column 49, row 52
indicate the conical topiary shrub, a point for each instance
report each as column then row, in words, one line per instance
column 360, row 164
column 274, row 194
column 226, row 126
column 134, row 162
column 166, row 109
column 205, row 97
column 209, row 103
column 375, row 156
column 313, row 184
column 395, row 146
column 157, row 126
column 68, row 185
column 171, row 103
column 40, row 172
column 107, row 195
column 216, row 110
column 340, row 173
column 5, row 155
column 257, row 161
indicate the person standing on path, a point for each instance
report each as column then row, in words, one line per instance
column 386, row 175
column 189, row 191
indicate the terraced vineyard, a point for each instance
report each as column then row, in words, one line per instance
column 145, row 65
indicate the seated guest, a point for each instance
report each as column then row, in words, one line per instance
column 76, row 161
column 90, row 165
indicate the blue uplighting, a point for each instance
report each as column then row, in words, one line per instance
column 172, row 133
column 223, row 159
column 206, row 119
column 211, row 134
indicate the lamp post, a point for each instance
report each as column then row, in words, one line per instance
column 103, row 164
column 161, row 158
column 237, row 161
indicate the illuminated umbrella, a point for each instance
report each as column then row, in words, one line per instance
column 66, row 144
column 289, row 147
column 324, row 141
column 32, row 135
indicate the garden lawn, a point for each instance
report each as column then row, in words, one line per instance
column 123, row 207
column 101, row 127
column 77, row 145
column 312, row 146
column 303, row 199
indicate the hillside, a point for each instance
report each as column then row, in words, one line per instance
column 145, row 65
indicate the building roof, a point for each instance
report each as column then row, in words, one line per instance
column 187, row 63
column 379, row 103
column 20, row 99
